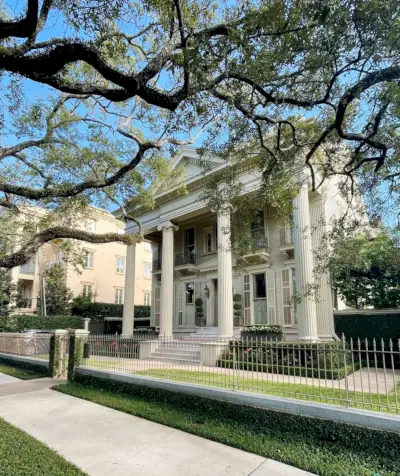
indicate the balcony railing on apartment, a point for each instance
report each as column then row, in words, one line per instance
column 286, row 236
column 27, row 268
column 156, row 264
column 185, row 258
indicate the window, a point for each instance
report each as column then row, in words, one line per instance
column 147, row 299
column 147, row 246
column 209, row 239
column 246, row 293
column 90, row 226
column 58, row 257
column 257, row 229
column 87, row 289
column 88, row 259
column 147, row 270
column 260, row 290
column 120, row 231
column 119, row 296
column 189, row 241
column 189, row 293
column 120, row 265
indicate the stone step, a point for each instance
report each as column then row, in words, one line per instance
column 174, row 360
column 177, row 355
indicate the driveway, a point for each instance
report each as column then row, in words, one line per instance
column 106, row 442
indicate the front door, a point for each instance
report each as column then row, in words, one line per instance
column 260, row 298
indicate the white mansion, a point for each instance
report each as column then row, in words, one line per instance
column 197, row 277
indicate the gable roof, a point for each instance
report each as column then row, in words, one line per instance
column 193, row 162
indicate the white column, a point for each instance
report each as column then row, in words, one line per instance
column 167, row 278
column 307, row 317
column 225, row 295
column 129, row 291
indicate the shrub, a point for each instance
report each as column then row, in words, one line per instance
column 16, row 323
column 100, row 310
column 289, row 358
column 260, row 329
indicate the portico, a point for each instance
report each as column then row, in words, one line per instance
column 197, row 271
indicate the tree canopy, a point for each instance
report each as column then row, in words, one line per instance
column 366, row 271
column 303, row 81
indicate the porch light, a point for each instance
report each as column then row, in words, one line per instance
column 207, row 292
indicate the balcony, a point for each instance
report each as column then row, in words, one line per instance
column 253, row 250
column 27, row 268
column 185, row 263
column 157, row 265
column 286, row 239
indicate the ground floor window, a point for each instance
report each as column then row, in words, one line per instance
column 260, row 299
column 87, row 289
column 119, row 296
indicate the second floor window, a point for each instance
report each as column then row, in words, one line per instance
column 87, row 289
column 210, row 239
column 90, row 226
column 88, row 259
column 147, row 270
column 147, row 299
column 119, row 296
column 120, row 265
column 189, row 242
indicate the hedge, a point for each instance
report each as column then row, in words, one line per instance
column 100, row 310
column 18, row 323
column 324, row 360
column 40, row 369
column 379, row 448
column 371, row 326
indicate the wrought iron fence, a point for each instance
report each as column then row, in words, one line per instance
column 185, row 258
column 362, row 374
column 28, row 344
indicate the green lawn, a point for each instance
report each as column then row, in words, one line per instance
column 18, row 372
column 367, row 401
column 22, row 455
column 285, row 443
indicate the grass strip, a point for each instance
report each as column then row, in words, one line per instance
column 335, row 396
column 19, row 372
column 321, row 447
column 23, row 455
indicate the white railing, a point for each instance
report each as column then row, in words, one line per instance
column 362, row 374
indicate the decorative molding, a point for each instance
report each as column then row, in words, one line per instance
column 166, row 226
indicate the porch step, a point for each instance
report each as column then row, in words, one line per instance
column 177, row 352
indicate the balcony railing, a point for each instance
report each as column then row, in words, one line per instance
column 287, row 236
column 27, row 268
column 156, row 264
column 185, row 258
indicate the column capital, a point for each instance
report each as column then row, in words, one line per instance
column 166, row 226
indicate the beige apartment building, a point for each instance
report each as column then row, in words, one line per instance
column 103, row 273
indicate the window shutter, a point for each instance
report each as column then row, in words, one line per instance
column 287, row 292
column 246, row 295
column 271, row 296
column 175, row 305
column 180, row 303
column 157, row 305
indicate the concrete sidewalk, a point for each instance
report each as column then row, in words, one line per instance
column 8, row 379
column 102, row 441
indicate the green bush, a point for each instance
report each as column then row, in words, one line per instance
column 18, row 323
column 322, row 360
column 100, row 310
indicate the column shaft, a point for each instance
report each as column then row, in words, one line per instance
column 129, row 292
column 304, row 266
column 225, row 294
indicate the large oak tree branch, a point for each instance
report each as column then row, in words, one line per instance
column 60, row 232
